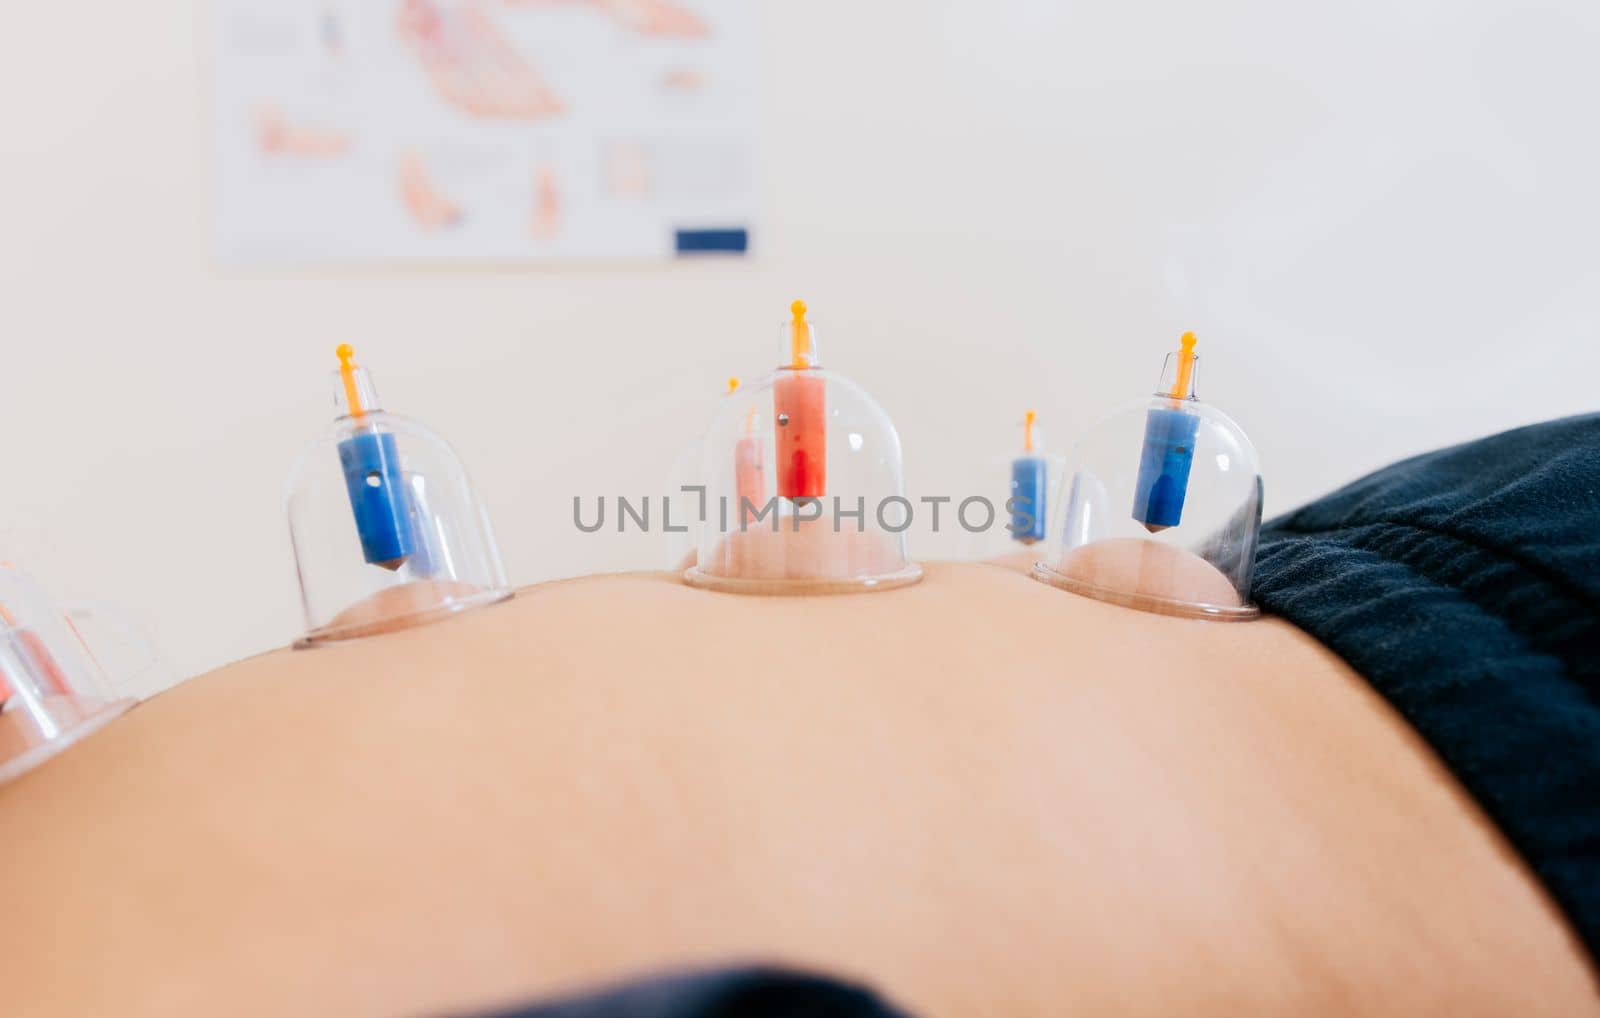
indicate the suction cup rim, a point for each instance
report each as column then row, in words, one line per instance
column 405, row 620
column 694, row 576
column 29, row 759
column 1145, row 602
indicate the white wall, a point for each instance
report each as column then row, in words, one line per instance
column 1380, row 218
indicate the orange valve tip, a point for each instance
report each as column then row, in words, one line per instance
column 801, row 351
column 347, row 372
column 733, row 384
column 1182, row 384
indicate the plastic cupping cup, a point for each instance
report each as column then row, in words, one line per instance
column 387, row 529
column 52, row 690
column 1162, row 508
column 805, row 490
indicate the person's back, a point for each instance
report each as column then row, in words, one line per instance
column 979, row 794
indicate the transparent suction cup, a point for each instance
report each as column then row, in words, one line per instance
column 1162, row 507
column 682, row 528
column 125, row 653
column 52, row 691
column 681, row 520
column 804, row 487
column 1021, row 481
column 387, row 529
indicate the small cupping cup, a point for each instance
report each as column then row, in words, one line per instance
column 52, row 691
column 805, row 492
column 387, row 529
column 1162, row 507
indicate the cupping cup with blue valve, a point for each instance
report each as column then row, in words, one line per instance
column 1163, row 506
column 387, row 529
column 1028, row 502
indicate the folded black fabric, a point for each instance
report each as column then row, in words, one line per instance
column 1465, row 586
column 721, row 993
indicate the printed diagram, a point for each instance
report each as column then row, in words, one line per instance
column 276, row 136
column 483, row 129
column 648, row 17
column 471, row 63
column 428, row 206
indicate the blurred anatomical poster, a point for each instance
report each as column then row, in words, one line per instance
column 458, row 130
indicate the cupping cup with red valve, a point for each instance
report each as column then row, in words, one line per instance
column 53, row 691
column 805, row 492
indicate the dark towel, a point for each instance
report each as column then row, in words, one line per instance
column 721, row 993
column 1465, row 586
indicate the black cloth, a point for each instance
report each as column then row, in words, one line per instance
column 1465, row 586
column 721, row 993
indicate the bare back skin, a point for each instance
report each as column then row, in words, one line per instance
column 979, row 794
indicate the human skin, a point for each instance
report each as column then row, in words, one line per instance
column 789, row 551
column 980, row 794
column 1149, row 569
